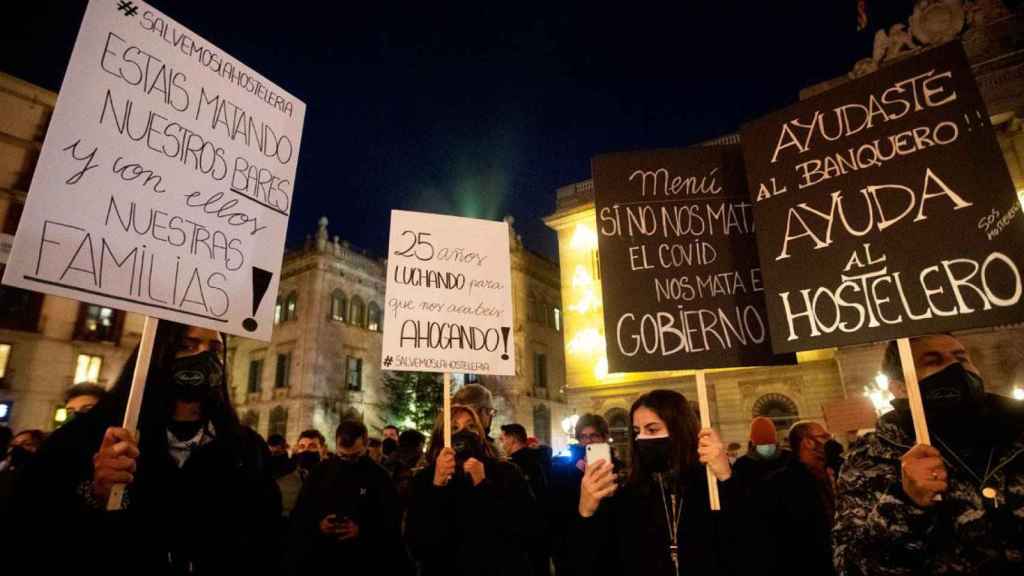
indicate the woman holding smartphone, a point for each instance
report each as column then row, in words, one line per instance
column 470, row 511
column 660, row 521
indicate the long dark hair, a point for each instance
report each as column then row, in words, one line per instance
column 157, row 402
column 682, row 425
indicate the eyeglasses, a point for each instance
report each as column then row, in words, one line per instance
column 593, row 437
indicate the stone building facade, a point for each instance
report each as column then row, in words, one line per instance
column 992, row 40
column 47, row 343
column 323, row 363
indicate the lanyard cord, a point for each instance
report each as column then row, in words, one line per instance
column 672, row 516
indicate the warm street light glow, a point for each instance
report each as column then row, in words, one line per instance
column 583, row 238
column 879, row 394
column 1018, row 393
column 601, row 368
column 569, row 424
column 588, row 300
column 586, row 341
column 581, row 278
column 61, row 415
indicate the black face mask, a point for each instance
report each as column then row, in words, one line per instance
column 185, row 431
column 307, row 460
column 954, row 401
column 654, row 454
column 20, row 456
column 466, row 444
column 196, row 378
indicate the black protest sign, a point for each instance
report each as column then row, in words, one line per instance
column 884, row 209
column 680, row 276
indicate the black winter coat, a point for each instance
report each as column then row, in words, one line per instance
column 466, row 530
column 629, row 533
column 215, row 515
column 363, row 492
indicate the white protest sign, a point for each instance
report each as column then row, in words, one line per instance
column 449, row 295
column 165, row 182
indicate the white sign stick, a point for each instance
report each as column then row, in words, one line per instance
column 447, row 394
column 913, row 391
column 705, row 422
column 131, row 411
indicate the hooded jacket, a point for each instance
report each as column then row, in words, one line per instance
column 880, row 531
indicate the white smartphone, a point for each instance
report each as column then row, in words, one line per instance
column 601, row 451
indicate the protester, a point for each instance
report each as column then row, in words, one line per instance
column 733, row 451
column 471, row 513
column 6, row 435
column 348, row 513
column 403, row 464
column 533, row 467
column 391, row 431
column 834, row 459
column 481, row 401
column 280, row 462
column 81, row 398
column 566, row 476
column 310, row 449
column 764, row 456
column 660, row 522
column 888, row 520
column 199, row 488
column 373, row 449
column 20, row 452
column 799, row 502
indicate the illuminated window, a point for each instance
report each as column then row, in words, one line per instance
column 358, row 312
column 557, row 317
column 87, row 368
column 373, row 317
column 339, row 305
column 291, row 307
column 98, row 324
column 278, row 310
column 5, row 354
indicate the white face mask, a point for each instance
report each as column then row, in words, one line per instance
column 765, row 450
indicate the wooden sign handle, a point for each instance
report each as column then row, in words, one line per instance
column 447, row 395
column 705, row 422
column 131, row 411
column 913, row 391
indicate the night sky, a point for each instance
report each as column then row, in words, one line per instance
column 481, row 110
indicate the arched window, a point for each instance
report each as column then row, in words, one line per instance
column 291, row 306
column 278, row 311
column 373, row 317
column 278, row 421
column 358, row 315
column 339, row 305
column 781, row 409
column 542, row 423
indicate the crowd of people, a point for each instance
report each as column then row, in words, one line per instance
column 207, row 495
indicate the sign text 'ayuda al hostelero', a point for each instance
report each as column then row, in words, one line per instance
column 884, row 209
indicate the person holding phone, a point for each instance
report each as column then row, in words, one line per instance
column 348, row 512
column 660, row 521
column 470, row 511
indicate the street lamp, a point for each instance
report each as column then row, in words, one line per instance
column 1018, row 393
column 879, row 394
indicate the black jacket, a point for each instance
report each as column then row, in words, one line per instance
column 361, row 491
column 564, row 496
column 215, row 515
column 794, row 533
column 629, row 533
column 466, row 530
column 751, row 468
